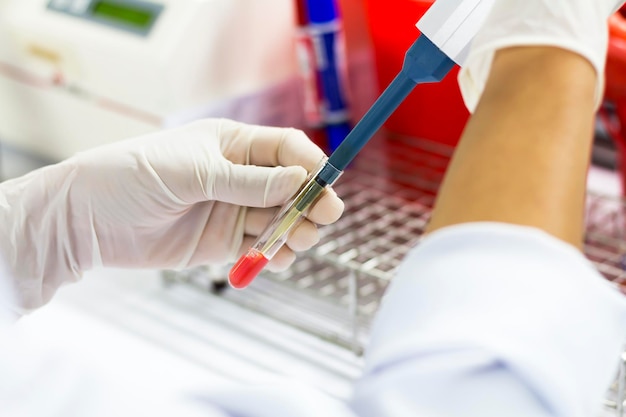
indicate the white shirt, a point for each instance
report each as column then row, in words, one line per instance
column 482, row 320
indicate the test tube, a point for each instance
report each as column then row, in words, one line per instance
column 277, row 232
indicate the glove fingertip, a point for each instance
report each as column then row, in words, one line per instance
column 284, row 184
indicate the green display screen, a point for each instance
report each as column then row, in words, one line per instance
column 121, row 13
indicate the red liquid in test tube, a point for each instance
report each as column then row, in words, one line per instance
column 247, row 268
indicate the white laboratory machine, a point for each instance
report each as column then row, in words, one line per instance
column 79, row 73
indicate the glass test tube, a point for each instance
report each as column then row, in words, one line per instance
column 277, row 232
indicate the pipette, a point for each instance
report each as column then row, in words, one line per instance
column 447, row 30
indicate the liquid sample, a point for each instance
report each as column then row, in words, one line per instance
column 277, row 232
column 247, row 268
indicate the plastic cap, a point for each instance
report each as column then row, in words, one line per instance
column 322, row 11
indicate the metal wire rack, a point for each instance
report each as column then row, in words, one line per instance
column 334, row 290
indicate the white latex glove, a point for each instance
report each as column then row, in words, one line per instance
column 173, row 199
column 576, row 25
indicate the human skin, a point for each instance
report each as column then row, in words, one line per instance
column 524, row 154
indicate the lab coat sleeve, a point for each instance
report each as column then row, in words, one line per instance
column 489, row 319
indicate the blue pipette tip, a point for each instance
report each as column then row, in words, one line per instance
column 424, row 62
column 336, row 134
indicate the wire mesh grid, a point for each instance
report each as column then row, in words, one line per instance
column 605, row 246
column 334, row 290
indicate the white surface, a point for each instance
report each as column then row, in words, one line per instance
column 179, row 338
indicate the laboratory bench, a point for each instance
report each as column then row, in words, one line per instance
column 186, row 330
column 127, row 323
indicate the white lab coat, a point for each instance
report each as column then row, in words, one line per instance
column 482, row 320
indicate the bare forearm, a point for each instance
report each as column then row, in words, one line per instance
column 524, row 155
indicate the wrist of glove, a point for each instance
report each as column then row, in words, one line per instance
column 190, row 196
column 576, row 25
column 37, row 243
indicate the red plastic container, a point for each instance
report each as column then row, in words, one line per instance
column 616, row 88
column 433, row 111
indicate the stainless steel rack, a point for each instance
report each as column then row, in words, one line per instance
column 334, row 290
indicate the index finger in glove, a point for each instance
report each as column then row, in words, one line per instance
column 273, row 146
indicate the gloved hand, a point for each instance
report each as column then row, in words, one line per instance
column 195, row 195
column 576, row 25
